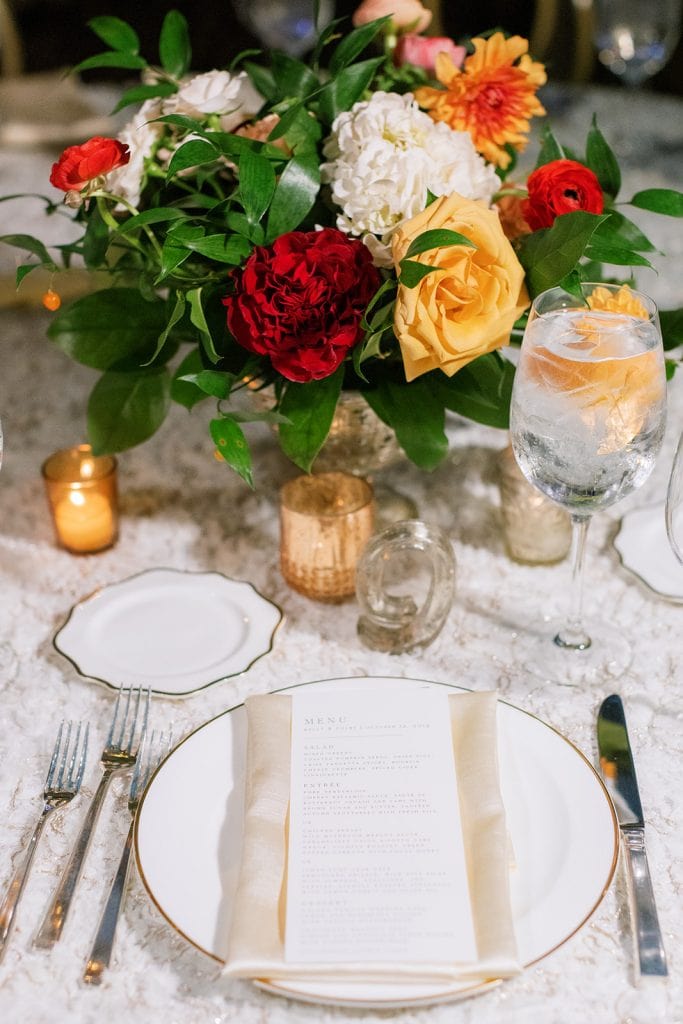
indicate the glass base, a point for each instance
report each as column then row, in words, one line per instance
column 605, row 657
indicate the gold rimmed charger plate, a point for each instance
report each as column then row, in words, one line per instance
column 560, row 817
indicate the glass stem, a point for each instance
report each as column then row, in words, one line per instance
column 573, row 635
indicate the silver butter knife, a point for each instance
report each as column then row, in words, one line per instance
column 619, row 775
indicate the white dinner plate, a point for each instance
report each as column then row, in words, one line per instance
column 644, row 550
column 560, row 818
column 174, row 631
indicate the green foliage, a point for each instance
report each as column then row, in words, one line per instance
column 210, row 196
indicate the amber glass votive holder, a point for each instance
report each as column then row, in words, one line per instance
column 82, row 495
column 326, row 519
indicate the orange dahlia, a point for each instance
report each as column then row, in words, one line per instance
column 492, row 97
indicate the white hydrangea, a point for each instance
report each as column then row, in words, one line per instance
column 385, row 155
column 218, row 92
column 141, row 137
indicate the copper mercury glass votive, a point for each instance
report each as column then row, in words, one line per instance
column 82, row 494
column 326, row 519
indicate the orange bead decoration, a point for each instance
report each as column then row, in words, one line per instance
column 51, row 300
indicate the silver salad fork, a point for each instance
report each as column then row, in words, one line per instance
column 152, row 751
column 128, row 723
column 63, row 781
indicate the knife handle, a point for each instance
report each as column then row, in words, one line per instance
column 651, row 955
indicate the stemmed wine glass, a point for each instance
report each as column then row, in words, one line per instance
column 635, row 38
column 587, row 421
column 674, row 504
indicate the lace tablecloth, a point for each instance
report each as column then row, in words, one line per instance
column 183, row 509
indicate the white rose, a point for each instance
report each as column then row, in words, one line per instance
column 141, row 137
column 385, row 155
column 218, row 92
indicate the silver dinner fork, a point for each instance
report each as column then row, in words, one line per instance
column 128, row 724
column 153, row 749
column 62, row 783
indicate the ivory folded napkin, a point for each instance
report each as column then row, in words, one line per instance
column 256, row 945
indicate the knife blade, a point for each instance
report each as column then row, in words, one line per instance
column 619, row 775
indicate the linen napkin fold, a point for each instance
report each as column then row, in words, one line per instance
column 256, row 944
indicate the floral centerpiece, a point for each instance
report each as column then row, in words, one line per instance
column 346, row 223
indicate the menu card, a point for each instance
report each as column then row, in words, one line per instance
column 376, row 865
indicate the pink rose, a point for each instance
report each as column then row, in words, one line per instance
column 422, row 51
column 408, row 14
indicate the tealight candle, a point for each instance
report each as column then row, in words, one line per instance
column 326, row 520
column 81, row 490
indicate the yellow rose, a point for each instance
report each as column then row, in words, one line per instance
column 468, row 305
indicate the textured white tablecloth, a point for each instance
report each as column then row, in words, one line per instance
column 183, row 509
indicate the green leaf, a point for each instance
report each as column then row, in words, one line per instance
column 175, row 317
column 550, row 148
column 125, row 409
column 670, row 367
column 191, row 154
column 618, row 227
column 105, row 327
column 354, row 43
column 671, row 321
column 436, row 239
column 348, row 87
column 309, row 408
column 31, row 244
column 602, row 161
column 619, row 255
column 211, row 382
column 115, row 33
column 412, row 272
column 112, row 59
column 263, row 80
column 293, row 77
column 182, row 390
column 198, row 320
column 287, row 119
column 480, row 391
column 222, row 248
column 95, row 240
column 294, row 195
column 23, row 270
column 417, row 420
column 140, row 93
column 157, row 215
column 257, row 185
column 175, row 251
column 549, row 255
column 174, row 45
column 660, row 200
column 231, row 445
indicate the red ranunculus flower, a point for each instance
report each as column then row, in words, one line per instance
column 561, row 186
column 80, row 164
column 300, row 301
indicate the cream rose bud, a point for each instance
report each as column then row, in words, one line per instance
column 469, row 303
column 405, row 14
column 219, row 92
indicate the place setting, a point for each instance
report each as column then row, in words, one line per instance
column 320, row 684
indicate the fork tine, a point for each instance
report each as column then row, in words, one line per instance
column 119, row 743
column 110, row 734
column 72, row 762
column 62, row 765
column 55, row 755
column 84, row 756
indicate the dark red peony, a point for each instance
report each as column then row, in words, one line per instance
column 78, row 165
column 300, row 301
column 561, row 186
